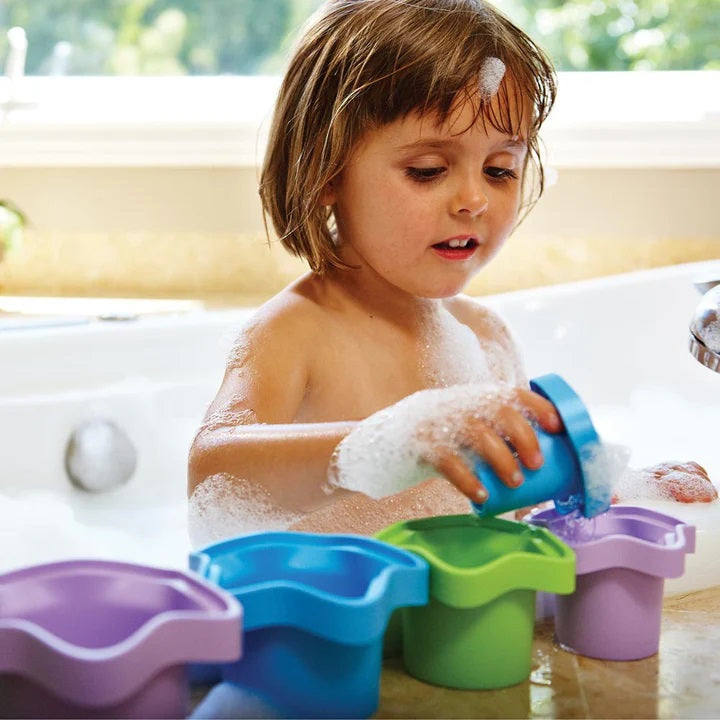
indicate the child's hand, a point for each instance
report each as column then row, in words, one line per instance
column 494, row 439
column 682, row 482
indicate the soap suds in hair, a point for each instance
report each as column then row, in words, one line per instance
column 491, row 75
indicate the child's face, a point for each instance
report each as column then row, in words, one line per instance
column 425, row 206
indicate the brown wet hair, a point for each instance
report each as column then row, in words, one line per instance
column 362, row 64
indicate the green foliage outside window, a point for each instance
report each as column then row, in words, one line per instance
column 211, row 37
column 623, row 34
column 12, row 225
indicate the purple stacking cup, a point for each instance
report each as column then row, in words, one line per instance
column 106, row 639
column 622, row 559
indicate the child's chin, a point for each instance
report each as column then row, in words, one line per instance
column 442, row 293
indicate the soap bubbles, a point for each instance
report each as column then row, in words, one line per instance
column 385, row 453
column 225, row 506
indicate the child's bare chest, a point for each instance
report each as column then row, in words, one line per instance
column 356, row 377
column 357, row 373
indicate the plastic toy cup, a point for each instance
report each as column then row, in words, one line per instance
column 97, row 639
column 477, row 630
column 316, row 608
column 562, row 477
column 623, row 557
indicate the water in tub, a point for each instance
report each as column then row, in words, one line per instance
column 702, row 568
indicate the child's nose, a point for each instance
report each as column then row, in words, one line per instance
column 470, row 199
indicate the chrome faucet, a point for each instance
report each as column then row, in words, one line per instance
column 15, row 68
column 705, row 325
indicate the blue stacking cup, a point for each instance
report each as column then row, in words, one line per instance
column 315, row 612
column 563, row 476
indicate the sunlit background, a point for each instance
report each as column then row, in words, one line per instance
column 133, row 145
column 201, row 37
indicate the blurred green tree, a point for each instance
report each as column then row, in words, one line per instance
column 623, row 34
column 208, row 37
column 154, row 37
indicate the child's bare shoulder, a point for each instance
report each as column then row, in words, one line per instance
column 283, row 332
column 278, row 341
column 291, row 316
column 494, row 335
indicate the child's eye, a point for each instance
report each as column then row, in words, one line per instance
column 499, row 173
column 424, row 174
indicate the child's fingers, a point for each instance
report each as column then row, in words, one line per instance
column 495, row 451
column 541, row 409
column 521, row 435
column 511, row 430
column 454, row 469
column 492, row 448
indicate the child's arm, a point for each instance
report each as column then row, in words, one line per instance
column 289, row 460
column 249, row 431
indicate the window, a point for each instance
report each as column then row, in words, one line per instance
column 248, row 37
column 606, row 35
column 155, row 37
column 194, row 79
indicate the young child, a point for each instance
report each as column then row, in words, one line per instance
column 403, row 151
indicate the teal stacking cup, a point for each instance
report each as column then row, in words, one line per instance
column 563, row 476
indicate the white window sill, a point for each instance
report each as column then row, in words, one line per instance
column 635, row 119
column 658, row 119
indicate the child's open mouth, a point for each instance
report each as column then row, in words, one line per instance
column 456, row 248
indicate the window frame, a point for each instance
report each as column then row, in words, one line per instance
column 601, row 120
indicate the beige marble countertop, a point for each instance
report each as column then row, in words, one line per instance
column 681, row 681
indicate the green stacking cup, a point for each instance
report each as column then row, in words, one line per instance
column 477, row 630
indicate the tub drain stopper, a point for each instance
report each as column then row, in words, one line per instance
column 99, row 456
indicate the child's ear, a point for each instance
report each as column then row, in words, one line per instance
column 328, row 196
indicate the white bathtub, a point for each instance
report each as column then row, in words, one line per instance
column 620, row 341
column 152, row 377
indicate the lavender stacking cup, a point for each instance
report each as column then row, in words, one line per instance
column 623, row 557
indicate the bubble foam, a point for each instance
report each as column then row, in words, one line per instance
column 454, row 354
column 229, row 415
column 491, row 75
column 677, row 482
column 41, row 526
column 388, row 451
column 224, row 506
